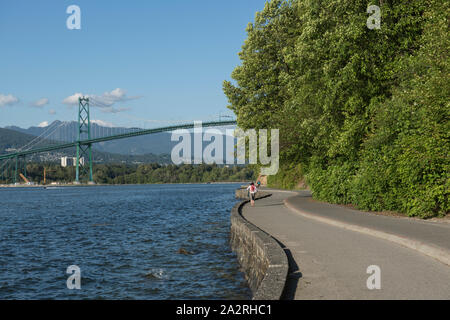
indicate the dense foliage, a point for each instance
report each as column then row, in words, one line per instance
column 141, row 174
column 155, row 173
column 363, row 114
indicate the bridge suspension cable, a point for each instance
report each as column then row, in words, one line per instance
column 44, row 136
column 96, row 102
column 32, row 141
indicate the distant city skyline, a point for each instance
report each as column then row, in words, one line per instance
column 142, row 63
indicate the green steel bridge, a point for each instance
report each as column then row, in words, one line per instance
column 84, row 142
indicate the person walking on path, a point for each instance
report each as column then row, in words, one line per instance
column 252, row 192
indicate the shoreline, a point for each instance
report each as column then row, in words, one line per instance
column 107, row 184
column 261, row 257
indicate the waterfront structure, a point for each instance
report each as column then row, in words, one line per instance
column 70, row 161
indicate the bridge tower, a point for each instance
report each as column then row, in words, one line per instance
column 16, row 177
column 84, row 151
column 19, row 168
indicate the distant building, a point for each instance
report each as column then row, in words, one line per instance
column 71, row 162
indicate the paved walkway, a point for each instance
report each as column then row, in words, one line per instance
column 434, row 233
column 330, row 262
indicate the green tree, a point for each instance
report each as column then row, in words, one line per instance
column 363, row 113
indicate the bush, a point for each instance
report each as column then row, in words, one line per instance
column 288, row 177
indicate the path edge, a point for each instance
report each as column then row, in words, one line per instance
column 440, row 254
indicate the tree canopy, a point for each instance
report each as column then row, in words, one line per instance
column 151, row 173
column 363, row 114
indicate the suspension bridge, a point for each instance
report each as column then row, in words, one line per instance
column 83, row 139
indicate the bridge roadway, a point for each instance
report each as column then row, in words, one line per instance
column 330, row 261
column 114, row 137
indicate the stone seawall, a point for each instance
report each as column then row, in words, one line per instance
column 261, row 258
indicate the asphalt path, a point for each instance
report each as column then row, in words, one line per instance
column 331, row 262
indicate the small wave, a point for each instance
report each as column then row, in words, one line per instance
column 157, row 274
column 102, row 225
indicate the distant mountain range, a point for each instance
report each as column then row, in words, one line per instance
column 10, row 140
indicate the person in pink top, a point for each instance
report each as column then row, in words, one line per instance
column 252, row 192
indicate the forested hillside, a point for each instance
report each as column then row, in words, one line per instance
column 143, row 174
column 10, row 139
column 363, row 114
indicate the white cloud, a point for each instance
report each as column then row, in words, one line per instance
column 115, row 94
column 43, row 124
column 113, row 110
column 40, row 103
column 108, row 99
column 8, row 100
column 52, row 111
column 103, row 123
column 105, row 102
column 73, row 99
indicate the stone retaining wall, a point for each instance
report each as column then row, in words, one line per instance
column 262, row 259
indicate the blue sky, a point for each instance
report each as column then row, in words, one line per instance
column 144, row 62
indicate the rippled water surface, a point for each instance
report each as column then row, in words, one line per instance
column 125, row 239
